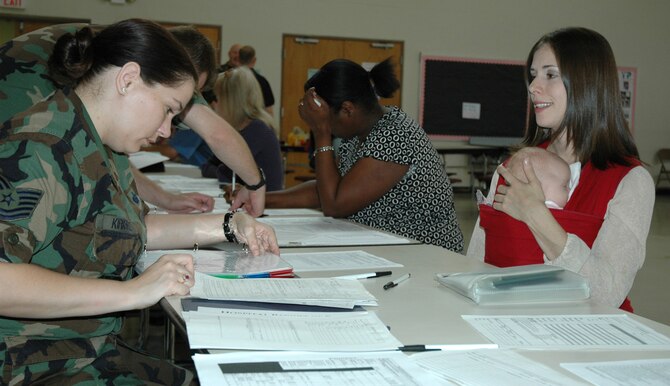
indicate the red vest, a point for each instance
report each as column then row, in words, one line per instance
column 509, row 242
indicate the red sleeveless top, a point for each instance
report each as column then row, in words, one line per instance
column 509, row 242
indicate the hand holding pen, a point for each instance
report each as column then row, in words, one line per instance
column 397, row 281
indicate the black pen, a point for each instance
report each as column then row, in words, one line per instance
column 418, row 348
column 446, row 347
column 397, row 281
column 368, row 275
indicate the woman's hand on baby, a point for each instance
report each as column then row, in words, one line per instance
column 518, row 198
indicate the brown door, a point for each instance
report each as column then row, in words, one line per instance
column 302, row 57
column 212, row 32
column 368, row 53
column 13, row 26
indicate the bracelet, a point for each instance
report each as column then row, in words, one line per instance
column 227, row 231
column 258, row 185
column 322, row 149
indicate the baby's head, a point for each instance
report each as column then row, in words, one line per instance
column 552, row 171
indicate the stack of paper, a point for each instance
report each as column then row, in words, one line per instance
column 142, row 159
column 257, row 329
column 325, row 292
column 337, row 261
column 304, row 231
column 227, row 264
column 183, row 184
column 284, row 314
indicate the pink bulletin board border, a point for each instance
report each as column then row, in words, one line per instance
column 633, row 91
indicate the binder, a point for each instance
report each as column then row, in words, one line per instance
column 535, row 283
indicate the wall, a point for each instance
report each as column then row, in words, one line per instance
column 490, row 29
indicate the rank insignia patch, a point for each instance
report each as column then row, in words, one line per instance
column 17, row 204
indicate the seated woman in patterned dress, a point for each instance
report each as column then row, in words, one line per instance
column 385, row 173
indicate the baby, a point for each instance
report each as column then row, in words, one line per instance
column 551, row 170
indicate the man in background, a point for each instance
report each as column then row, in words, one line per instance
column 247, row 57
column 233, row 58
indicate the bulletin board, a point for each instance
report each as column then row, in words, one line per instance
column 627, row 86
column 463, row 98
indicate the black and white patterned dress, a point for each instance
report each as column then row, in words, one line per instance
column 421, row 205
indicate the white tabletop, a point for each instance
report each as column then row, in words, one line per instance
column 422, row 311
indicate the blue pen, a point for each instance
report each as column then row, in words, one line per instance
column 247, row 276
column 256, row 276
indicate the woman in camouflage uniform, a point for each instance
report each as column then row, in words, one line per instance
column 72, row 226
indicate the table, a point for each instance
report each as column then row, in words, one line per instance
column 422, row 311
column 490, row 154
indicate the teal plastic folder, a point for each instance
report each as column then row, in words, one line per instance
column 536, row 283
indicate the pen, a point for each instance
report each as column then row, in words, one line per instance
column 284, row 273
column 368, row 275
column 232, row 191
column 397, row 281
column 445, row 347
column 242, row 276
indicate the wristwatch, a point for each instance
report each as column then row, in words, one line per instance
column 228, row 231
column 260, row 184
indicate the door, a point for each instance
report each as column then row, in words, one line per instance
column 368, row 53
column 302, row 57
column 13, row 26
column 211, row 32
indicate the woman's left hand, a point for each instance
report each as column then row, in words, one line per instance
column 252, row 201
column 315, row 111
column 190, row 203
column 260, row 238
column 518, row 198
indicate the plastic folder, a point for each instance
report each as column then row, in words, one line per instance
column 537, row 283
column 228, row 264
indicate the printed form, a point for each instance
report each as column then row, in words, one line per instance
column 623, row 373
column 221, row 328
column 326, row 231
column 490, row 367
column 568, row 331
column 334, row 261
column 291, row 368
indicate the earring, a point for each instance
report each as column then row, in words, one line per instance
column 124, row 90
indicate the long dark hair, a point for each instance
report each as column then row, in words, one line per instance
column 343, row 80
column 594, row 120
column 79, row 57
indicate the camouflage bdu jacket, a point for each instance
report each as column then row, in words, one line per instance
column 69, row 204
column 23, row 69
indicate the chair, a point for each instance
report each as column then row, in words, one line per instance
column 664, row 158
column 482, row 167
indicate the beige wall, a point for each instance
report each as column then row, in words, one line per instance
column 491, row 29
